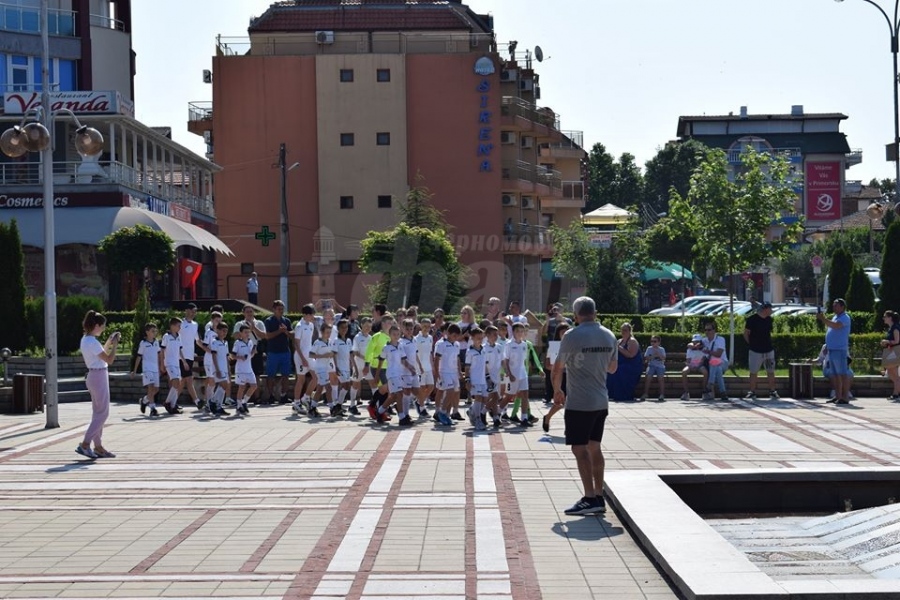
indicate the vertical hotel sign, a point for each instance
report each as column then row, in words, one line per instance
column 823, row 190
column 484, row 68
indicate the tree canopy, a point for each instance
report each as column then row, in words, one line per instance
column 889, row 292
column 417, row 263
column 671, row 168
column 839, row 275
column 860, row 294
column 133, row 249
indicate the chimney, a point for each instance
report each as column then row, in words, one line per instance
column 743, row 112
column 797, row 110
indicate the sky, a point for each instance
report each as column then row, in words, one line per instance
column 621, row 71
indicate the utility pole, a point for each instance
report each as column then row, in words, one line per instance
column 282, row 164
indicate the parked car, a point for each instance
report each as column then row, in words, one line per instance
column 688, row 302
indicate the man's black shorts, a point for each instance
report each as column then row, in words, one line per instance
column 583, row 426
column 189, row 371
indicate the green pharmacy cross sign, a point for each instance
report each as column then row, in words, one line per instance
column 265, row 236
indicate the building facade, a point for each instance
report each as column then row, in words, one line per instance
column 817, row 150
column 141, row 169
column 370, row 99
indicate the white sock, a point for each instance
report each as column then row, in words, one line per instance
column 334, row 395
column 152, row 405
column 382, row 410
column 342, row 395
column 477, row 406
column 172, row 397
column 353, row 394
column 219, row 396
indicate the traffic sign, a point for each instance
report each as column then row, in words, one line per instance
column 817, row 261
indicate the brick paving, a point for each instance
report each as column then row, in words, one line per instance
column 275, row 506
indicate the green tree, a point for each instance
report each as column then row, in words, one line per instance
column 131, row 250
column 416, row 261
column 14, row 334
column 860, row 294
column 839, row 274
column 601, row 177
column 602, row 270
column 629, row 182
column 889, row 292
column 885, row 186
column 672, row 167
column 736, row 217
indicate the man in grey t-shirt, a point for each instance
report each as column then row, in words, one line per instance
column 587, row 353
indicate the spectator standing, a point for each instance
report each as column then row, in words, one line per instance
column 492, row 312
column 714, row 349
column 837, row 343
column 758, row 335
column 253, row 289
column 378, row 311
column 891, row 345
column 587, row 353
column 278, row 346
column 97, row 358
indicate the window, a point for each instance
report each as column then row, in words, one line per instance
column 347, row 139
column 346, row 75
column 23, row 73
column 346, row 202
column 346, row 266
column 383, row 139
column 247, row 268
column 383, row 75
column 312, row 267
column 385, row 201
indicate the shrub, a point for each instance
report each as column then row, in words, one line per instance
column 12, row 292
column 889, row 292
column 70, row 313
column 839, row 274
column 860, row 294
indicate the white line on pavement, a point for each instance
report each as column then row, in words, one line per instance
column 766, row 441
column 667, row 440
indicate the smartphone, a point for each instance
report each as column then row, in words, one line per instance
column 116, row 335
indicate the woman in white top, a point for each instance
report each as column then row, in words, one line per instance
column 466, row 323
column 97, row 358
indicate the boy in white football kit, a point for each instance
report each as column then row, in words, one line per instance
column 342, row 347
column 446, row 365
column 476, row 371
column 244, row 350
column 148, row 355
column 322, row 354
column 397, row 367
column 190, row 337
column 493, row 354
column 217, row 352
column 304, row 332
column 516, row 355
column 174, row 363
column 411, row 376
column 424, row 351
column 358, row 361
column 209, row 368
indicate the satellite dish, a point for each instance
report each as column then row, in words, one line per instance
column 539, row 54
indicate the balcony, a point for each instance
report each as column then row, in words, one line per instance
column 200, row 117
column 27, row 19
column 70, row 176
column 570, row 147
column 794, row 155
column 522, row 115
column 378, row 42
column 550, row 178
column 572, row 196
column 522, row 238
column 107, row 22
column 854, row 157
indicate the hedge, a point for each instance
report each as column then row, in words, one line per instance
column 70, row 313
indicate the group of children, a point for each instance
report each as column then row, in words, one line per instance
column 169, row 356
column 406, row 365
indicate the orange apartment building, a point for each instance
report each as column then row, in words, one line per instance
column 368, row 96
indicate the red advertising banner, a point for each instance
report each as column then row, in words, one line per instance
column 823, row 190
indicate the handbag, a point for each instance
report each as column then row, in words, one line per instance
column 890, row 357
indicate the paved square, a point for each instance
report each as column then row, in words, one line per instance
column 275, row 506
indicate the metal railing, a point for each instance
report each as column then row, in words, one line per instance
column 519, row 169
column 386, row 42
column 513, row 106
column 550, row 177
column 200, row 111
column 104, row 172
column 523, row 232
column 107, row 22
column 573, row 190
column 854, row 157
column 571, row 139
column 27, row 87
column 792, row 154
column 27, row 19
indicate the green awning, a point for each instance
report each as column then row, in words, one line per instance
column 672, row 271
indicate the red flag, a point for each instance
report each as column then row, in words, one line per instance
column 671, row 296
column 190, row 272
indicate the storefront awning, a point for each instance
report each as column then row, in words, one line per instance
column 90, row 225
column 669, row 271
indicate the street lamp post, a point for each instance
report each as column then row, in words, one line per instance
column 36, row 135
column 894, row 28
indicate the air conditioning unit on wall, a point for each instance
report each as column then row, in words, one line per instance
column 324, row 37
column 527, row 202
column 507, row 137
column 508, row 75
column 527, row 141
column 509, row 200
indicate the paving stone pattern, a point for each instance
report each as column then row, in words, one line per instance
column 275, row 506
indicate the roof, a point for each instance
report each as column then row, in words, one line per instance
column 776, row 117
column 369, row 15
column 833, row 142
column 856, row 220
column 864, row 192
column 608, row 214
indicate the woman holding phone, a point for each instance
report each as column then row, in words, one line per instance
column 97, row 358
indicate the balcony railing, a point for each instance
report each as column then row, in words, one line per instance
column 27, row 19
column 854, row 157
column 104, row 172
column 792, row 154
column 513, row 106
column 523, row 232
column 107, row 22
column 518, row 170
column 550, row 177
column 573, row 190
column 571, row 139
column 200, row 111
column 301, row 43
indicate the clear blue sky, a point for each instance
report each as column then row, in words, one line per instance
column 621, row 71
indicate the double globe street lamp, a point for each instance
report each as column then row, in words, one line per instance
column 33, row 135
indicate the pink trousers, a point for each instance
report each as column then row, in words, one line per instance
column 97, row 382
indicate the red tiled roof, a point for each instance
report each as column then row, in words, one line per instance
column 389, row 15
column 857, row 219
